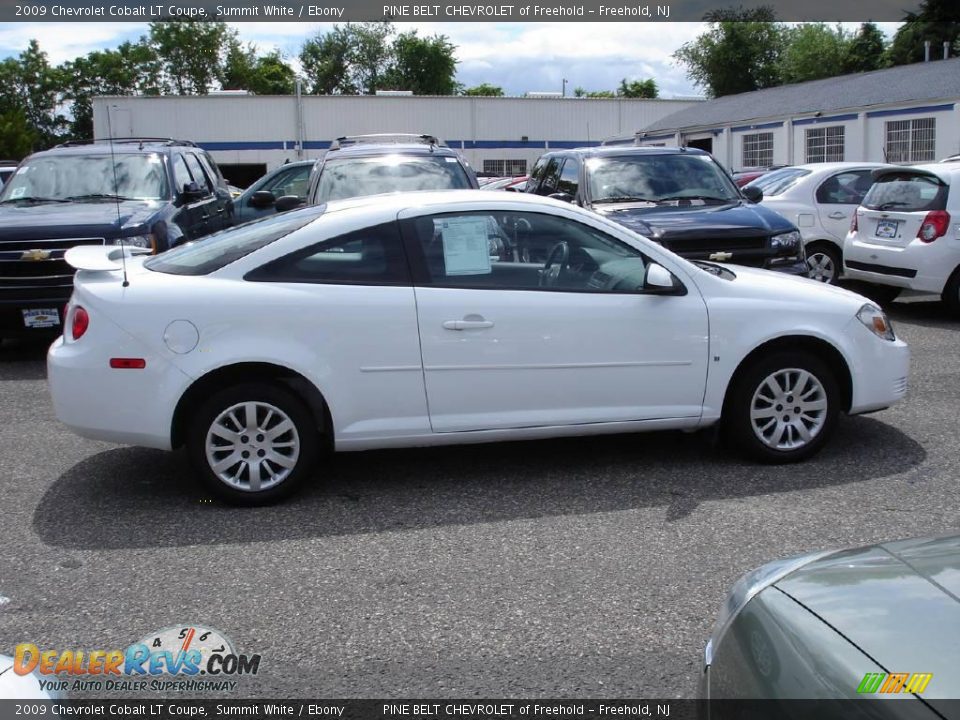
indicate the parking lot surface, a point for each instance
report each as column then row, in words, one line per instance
column 590, row 567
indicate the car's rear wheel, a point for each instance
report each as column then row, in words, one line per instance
column 951, row 294
column 823, row 259
column 783, row 408
column 253, row 443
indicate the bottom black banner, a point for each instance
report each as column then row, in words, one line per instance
column 474, row 709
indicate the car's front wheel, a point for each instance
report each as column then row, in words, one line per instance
column 253, row 443
column 783, row 408
column 823, row 260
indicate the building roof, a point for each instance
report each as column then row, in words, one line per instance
column 921, row 82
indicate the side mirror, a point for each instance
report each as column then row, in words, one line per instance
column 659, row 281
column 191, row 191
column 288, row 202
column 262, row 199
column 566, row 197
column 751, row 193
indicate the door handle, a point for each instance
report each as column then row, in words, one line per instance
column 467, row 324
column 836, row 216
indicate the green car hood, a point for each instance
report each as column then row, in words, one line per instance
column 898, row 602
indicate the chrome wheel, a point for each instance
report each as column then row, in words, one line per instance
column 788, row 409
column 252, row 446
column 822, row 267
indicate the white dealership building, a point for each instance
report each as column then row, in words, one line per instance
column 249, row 135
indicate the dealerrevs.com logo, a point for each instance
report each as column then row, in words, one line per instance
column 186, row 658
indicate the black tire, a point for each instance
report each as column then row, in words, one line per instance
column 951, row 294
column 738, row 426
column 824, row 261
column 272, row 403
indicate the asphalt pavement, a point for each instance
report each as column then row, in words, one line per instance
column 567, row 569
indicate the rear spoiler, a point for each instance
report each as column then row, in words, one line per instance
column 101, row 257
column 903, row 170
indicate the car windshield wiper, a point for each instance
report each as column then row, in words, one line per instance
column 97, row 196
column 624, row 198
column 31, row 198
column 892, row 204
column 705, row 198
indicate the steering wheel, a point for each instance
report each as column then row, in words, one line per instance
column 557, row 263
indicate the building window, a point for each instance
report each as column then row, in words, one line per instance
column 911, row 140
column 505, row 168
column 825, row 144
column 758, row 150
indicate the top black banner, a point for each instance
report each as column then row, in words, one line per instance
column 313, row 11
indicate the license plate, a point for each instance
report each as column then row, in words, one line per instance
column 41, row 318
column 887, row 229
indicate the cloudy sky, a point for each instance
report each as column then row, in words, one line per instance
column 519, row 57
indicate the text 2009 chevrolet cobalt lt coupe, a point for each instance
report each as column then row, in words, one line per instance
column 437, row 318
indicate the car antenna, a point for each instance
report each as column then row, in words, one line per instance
column 116, row 199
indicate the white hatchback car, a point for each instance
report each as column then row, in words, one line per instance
column 820, row 199
column 454, row 317
column 906, row 234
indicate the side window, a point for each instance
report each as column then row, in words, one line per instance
column 522, row 251
column 372, row 256
column 846, row 188
column 181, row 176
column 210, row 168
column 199, row 177
column 289, row 182
column 550, row 176
column 569, row 177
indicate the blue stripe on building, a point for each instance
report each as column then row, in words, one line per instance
column 912, row 111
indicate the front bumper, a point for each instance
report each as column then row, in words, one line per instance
column 13, row 323
column 880, row 370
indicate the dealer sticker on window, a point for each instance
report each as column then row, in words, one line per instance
column 886, row 229
column 41, row 318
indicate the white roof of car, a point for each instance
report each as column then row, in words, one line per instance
column 827, row 167
column 400, row 201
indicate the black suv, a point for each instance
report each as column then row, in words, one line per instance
column 679, row 197
column 149, row 193
column 373, row 164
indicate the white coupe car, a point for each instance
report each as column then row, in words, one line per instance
column 820, row 199
column 425, row 319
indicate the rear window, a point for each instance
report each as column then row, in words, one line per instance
column 202, row 257
column 354, row 177
column 905, row 192
column 778, row 181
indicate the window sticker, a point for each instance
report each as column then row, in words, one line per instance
column 18, row 192
column 466, row 250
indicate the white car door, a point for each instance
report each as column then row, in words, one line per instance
column 533, row 319
column 838, row 198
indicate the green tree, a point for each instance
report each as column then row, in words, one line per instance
column 16, row 135
column 29, row 85
column 351, row 59
column 484, row 89
column 638, row 88
column 424, row 65
column 133, row 68
column 937, row 21
column 266, row 74
column 739, row 52
column 601, row 94
column 812, row 51
column 865, row 50
column 190, row 53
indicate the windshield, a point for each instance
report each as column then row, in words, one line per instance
column 659, row 178
column 202, row 257
column 353, row 177
column 778, row 181
column 70, row 177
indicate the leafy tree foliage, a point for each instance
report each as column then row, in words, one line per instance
column 424, row 65
column 865, row 51
column 638, row 88
column 189, row 53
column 739, row 52
column 484, row 89
column 937, row 21
column 812, row 51
column 29, row 89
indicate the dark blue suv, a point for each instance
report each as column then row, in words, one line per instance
column 150, row 193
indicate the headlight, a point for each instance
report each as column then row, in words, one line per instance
column 747, row 587
column 786, row 241
column 138, row 241
column 875, row 320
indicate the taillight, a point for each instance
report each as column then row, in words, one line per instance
column 81, row 321
column 935, row 225
column 853, row 222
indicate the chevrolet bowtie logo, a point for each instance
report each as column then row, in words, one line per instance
column 721, row 256
column 35, row 255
